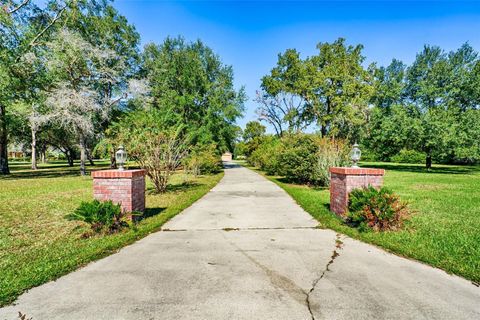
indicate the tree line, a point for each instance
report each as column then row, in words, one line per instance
column 73, row 78
column 429, row 107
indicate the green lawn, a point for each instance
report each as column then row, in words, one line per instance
column 38, row 244
column 444, row 230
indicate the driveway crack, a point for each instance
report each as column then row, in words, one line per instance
column 335, row 254
column 286, row 284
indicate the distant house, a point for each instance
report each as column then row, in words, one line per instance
column 15, row 152
column 227, row 156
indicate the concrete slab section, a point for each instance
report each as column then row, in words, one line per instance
column 243, row 199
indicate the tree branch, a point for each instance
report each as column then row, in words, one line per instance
column 123, row 96
column 20, row 6
column 58, row 16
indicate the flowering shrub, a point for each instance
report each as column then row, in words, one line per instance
column 379, row 210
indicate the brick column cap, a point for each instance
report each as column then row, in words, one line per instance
column 112, row 174
column 357, row 171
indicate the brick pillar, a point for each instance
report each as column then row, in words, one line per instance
column 344, row 180
column 126, row 187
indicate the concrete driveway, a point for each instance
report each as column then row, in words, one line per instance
column 247, row 251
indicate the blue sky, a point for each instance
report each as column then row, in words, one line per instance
column 249, row 35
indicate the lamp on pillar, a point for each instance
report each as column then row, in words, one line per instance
column 344, row 180
column 121, row 158
column 355, row 155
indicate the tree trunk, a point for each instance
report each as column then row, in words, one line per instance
column 326, row 125
column 34, row 148
column 324, row 131
column 428, row 162
column 89, row 157
column 44, row 154
column 3, row 142
column 83, row 156
column 113, row 161
column 69, row 155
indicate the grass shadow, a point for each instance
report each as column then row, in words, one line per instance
column 41, row 173
column 299, row 184
column 439, row 169
column 327, row 207
column 182, row 187
column 231, row 165
column 185, row 186
column 52, row 170
column 150, row 212
column 285, row 180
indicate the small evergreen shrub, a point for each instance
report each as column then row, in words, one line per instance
column 368, row 155
column 204, row 160
column 408, row 156
column 265, row 156
column 307, row 158
column 301, row 158
column 101, row 216
column 466, row 155
column 376, row 209
column 298, row 158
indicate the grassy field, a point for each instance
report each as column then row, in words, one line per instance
column 444, row 230
column 38, row 244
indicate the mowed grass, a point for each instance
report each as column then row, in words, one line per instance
column 444, row 229
column 38, row 244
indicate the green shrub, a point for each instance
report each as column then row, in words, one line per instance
column 155, row 145
column 377, row 209
column 203, row 160
column 307, row 158
column 408, row 156
column 301, row 158
column 298, row 158
column 265, row 156
column 466, row 155
column 101, row 216
column 368, row 154
column 240, row 150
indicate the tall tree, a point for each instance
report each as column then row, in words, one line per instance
column 192, row 87
column 79, row 68
column 253, row 129
column 25, row 29
column 284, row 111
column 428, row 88
column 389, row 85
column 339, row 88
column 14, row 34
column 430, row 107
column 282, row 101
column 332, row 89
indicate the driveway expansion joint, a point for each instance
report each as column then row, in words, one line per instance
column 243, row 229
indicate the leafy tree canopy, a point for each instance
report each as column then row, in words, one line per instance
column 191, row 85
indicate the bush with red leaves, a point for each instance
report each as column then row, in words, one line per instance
column 376, row 209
